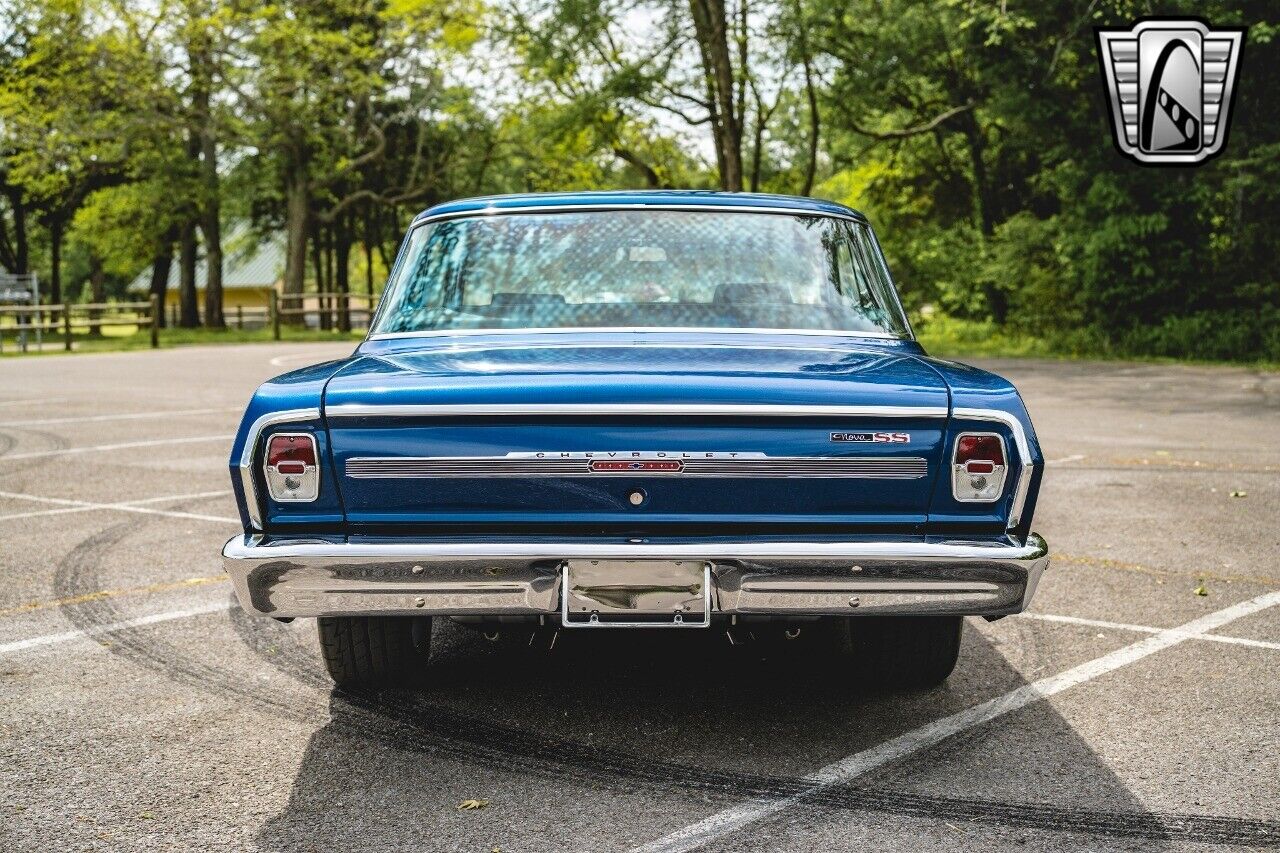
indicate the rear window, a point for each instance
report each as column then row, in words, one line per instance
column 642, row 269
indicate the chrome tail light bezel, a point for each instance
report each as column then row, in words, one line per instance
column 292, row 486
column 965, row 485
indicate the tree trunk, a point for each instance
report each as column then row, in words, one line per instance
column 342, row 240
column 55, row 262
column 317, row 267
column 368, row 267
column 711, row 29
column 205, row 141
column 97, row 292
column 757, row 143
column 977, row 160
column 188, row 309
column 160, row 267
column 211, row 228
column 297, row 217
column 16, row 256
column 811, row 95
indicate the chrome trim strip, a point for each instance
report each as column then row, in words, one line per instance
column 252, row 505
column 1024, row 454
column 362, row 410
column 693, row 465
column 637, row 330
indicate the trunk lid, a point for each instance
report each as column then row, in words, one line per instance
column 637, row 435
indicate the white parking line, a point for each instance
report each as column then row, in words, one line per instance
column 34, row 401
column 1145, row 629
column 840, row 772
column 130, row 416
column 97, row 630
column 127, row 506
column 121, row 446
column 1075, row 457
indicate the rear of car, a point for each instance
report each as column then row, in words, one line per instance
column 649, row 411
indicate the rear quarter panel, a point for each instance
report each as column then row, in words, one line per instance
column 297, row 390
column 972, row 388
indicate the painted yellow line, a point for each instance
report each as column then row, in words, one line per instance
column 166, row 586
column 1163, row 462
column 1122, row 566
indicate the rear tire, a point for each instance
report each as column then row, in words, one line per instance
column 375, row 651
column 901, row 651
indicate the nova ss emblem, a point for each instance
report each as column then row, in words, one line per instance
column 873, row 437
column 648, row 466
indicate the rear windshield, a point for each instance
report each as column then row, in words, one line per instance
column 642, row 269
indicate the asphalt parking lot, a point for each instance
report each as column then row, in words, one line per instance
column 140, row 710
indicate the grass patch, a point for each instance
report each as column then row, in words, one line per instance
column 951, row 337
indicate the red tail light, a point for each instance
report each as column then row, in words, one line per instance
column 291, row 454
column 987, row 448
column 978, row 467
column 290, row 467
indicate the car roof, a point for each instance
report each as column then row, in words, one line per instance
column 639, row 198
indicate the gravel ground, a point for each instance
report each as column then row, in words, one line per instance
column 140, row 710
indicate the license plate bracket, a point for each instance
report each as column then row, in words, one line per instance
column 635, row 594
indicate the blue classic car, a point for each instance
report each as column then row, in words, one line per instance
column 676, row 410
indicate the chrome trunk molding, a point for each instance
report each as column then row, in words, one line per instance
column 658, row 410
column 690, row 465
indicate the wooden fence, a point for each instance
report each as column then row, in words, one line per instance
column 64, row 319
column 332, row 310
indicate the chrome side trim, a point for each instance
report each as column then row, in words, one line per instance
column 361, row 410
column 690, row 465
column 252, row 505
column 638, row 330
column 1024, row 454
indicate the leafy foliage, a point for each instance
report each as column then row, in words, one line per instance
column 974, row 134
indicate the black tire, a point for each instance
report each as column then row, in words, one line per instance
column 901, row 651
column 375, row 651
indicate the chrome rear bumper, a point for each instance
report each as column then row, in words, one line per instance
column 316, row 577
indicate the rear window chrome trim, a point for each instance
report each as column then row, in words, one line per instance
column 495, row 210
column 637, row 330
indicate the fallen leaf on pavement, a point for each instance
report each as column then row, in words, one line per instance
column 1239, row 494
column 472, row 805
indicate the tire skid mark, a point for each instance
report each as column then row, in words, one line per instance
column 444, row 729
column 411, row 722
column 8, row 442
